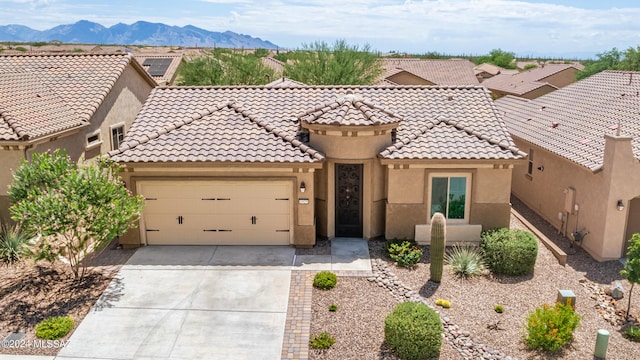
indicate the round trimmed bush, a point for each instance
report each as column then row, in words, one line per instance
column 510, row 251
column 413, row 331
column 54, row 328
column 325, row 280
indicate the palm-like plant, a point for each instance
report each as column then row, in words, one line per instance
column 14, row 243
column 465, row 261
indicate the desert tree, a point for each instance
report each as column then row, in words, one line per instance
column 225, row 67
column 631, row 270
column 74, row 208
column 319, row 63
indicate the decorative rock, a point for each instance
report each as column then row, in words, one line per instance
column 617, row 291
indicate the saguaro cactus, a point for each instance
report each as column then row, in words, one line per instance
column 438, row 243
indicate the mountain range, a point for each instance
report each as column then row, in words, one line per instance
column 138, row 33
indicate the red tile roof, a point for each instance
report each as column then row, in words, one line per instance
column 437, row 72
column 571, row 122
column 44, row 94
column 260, row 124
column 170, row 75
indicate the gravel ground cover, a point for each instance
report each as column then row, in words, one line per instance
column 358, row 325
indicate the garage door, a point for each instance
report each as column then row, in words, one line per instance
column 216, row 212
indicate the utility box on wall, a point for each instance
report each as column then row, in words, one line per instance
column 570, row 200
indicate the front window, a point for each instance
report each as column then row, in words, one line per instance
column 449, row 196
column 530, row 168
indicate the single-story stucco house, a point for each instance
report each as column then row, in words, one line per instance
column 583, row 170
column 533, row 83
column 269, row 165
column 412, row 71
column 84, row 103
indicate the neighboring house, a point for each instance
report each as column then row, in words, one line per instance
column 270, row 165
column 427, row 72
column 83, row 103
column 533, row 83
column 163, row 68
column 487, row 70
column 584, row 151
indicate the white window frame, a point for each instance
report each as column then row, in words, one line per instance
column 93, row 144
column 115, row 127
column 530, row 166
column 467, row 203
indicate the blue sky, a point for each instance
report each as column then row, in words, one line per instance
column 575, row 28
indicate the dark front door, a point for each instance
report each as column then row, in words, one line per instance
column 349, row 200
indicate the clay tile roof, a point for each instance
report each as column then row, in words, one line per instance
column 437, row 72
column 275, row 65
column 170, row 74
column 526, row 81
column 285, row 82
column 259, row 124
column 571, row 122
column 43, row 94
column 350, row 110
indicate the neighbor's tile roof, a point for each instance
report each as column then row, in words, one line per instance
column 571, row 122
column 526, row 81
column 285, row 82
column 273, row 64
column 261, row 124
column 437, row 72
column 169, row 75
column 70, row 85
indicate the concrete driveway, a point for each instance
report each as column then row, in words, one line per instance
column 190, row 302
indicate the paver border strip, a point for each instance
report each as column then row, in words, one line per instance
column 295, row 344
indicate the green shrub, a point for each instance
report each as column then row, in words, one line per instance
column 14, row 243
column 413, row 331
column 550, row 327
column 405, row 253
column 499, row 309
column 322, row 341
column 510, row 252
column 333, row 307
column 54, row 328
column 632, row 332
column 325, row 280
column 465, row 261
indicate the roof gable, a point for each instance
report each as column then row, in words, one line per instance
column 222, row 133
column 572, row 121
column 350, row 110
column 445, row 139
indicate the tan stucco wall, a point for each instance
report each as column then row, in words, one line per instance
column 595, row 193
column 304, row 228
column 562, row 78
column 406, row 78
column 497, row 94
column 408, row 193
column 121, row 105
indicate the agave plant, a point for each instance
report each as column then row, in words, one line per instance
column 465, row 261
column 14, row 243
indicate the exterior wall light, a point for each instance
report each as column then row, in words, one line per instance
column 620, row 205
column 303, row 187
column 541, row 167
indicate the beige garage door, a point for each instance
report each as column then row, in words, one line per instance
column 216, row 212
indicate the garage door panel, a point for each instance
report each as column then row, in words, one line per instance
column 217, row 212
